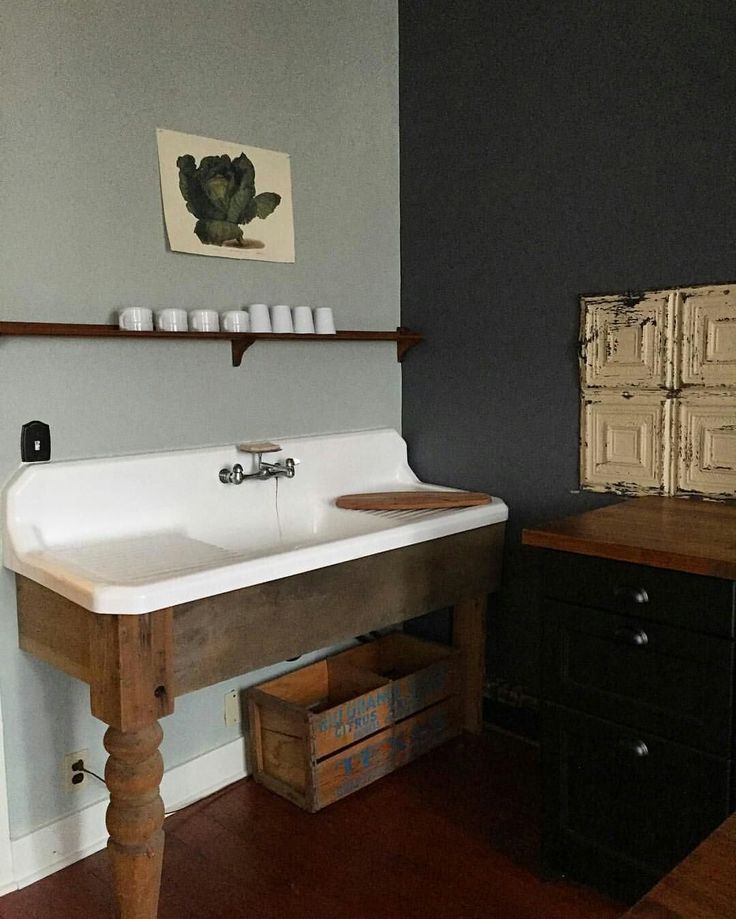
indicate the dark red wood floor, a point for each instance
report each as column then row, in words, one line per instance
column 453, row 836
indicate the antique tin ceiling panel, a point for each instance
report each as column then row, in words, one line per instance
column 658, row 392
column 626, row 341
column 623, row 446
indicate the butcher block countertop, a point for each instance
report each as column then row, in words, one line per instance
column 703, row 886
column 681, row 534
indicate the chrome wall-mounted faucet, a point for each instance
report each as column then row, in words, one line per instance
column 262, row 469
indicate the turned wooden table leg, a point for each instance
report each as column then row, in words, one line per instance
column 131, row 688
column 469, row 635
column 135, row 818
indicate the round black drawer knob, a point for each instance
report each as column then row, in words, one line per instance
column 628, row 636
column 637, row 595
column 636, row 747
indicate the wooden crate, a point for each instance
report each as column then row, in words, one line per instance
column 321, row 732
column 363, row 763
column 421, row 672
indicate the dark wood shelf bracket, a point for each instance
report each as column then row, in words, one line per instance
column 239, row 346
column 405, row 341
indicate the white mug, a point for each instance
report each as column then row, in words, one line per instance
column 260, row 319
column 204, row 321
column 303, row 320
column 281, row 319
column 324, row 321
column 234, row 321
column 171, row 320
column 136, row 319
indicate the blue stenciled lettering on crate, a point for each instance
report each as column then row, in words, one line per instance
column 354, row 712
column 397, row 743
column 364, row 765
column 416, row 692
column 357, row 727
column 435, row 726
column 364, row 758
column 421, row 736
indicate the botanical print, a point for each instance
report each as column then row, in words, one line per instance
column 225, row 199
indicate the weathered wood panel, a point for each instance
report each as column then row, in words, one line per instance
column 53, row 629
column 229, row 634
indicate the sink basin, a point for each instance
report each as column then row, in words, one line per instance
column 133, row 534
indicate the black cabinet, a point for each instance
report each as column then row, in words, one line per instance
column 638, row 740
column 652, row 676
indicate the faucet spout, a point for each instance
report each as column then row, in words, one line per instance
column 265, row 470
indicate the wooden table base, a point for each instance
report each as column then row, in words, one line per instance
column 137, row 665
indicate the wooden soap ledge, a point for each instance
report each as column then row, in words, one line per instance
column 411, row 500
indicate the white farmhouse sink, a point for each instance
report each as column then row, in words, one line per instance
column 133, row 534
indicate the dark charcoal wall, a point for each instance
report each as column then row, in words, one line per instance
column 547, row 149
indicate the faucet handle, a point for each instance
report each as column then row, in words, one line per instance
column 262, row 447
column 234, row 476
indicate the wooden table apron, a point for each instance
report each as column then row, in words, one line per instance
column 136, row 665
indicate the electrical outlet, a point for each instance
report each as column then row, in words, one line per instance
column 72, row 777
column 232, row 708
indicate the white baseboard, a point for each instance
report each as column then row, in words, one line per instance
column 72, row 838
column 7, row 876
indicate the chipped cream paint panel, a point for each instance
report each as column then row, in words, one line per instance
column 623, row 442
column 709, row 337
column 673, row 344
column 707, row 444
column 681, row 343
column 623, row 340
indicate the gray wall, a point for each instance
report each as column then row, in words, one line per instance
column 547, row 150
column 85, row 84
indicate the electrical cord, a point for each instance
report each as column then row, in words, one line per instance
column 78, row 768
column 94, row 775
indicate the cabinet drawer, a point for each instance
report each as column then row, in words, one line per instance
column 689, row 601
column 643, row 674
column 622, row 807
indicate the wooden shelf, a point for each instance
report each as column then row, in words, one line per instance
column 239, row 341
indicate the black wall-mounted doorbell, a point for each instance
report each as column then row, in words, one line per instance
column 35, row 442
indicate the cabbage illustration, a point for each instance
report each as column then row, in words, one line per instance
column 221, row 194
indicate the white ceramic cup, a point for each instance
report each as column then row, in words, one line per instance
column 171, row 320
column 303, row 320
column 204, row 321
column 260, row 318
column 281, row 321
column 324, row 321
column 136, row 319
column 234, row 321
